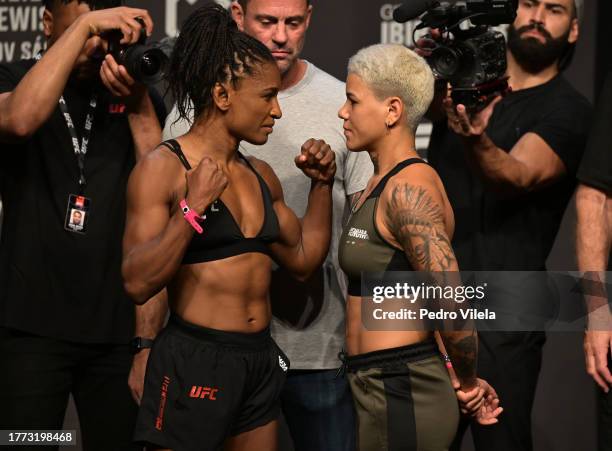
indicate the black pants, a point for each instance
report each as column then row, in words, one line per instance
column 604, row 417
column 510, row 362
column 37, row 375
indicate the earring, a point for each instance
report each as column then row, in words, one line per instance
column 388, row 126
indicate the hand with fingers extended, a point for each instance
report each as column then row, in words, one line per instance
column 317, row 161
column 480, row 403
column 464, row 123
column 489, row 411
column 597, row 349
column 205, row 184
column 122, row 18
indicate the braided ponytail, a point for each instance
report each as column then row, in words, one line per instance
column 210, row 50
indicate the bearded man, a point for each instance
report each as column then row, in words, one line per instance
column 509, row 171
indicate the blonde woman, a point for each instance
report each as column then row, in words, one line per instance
column 402, row 391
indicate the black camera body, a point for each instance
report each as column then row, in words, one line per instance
column 470, row 61
column 473, row 59
column 144, row 62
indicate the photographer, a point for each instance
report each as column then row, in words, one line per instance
column 510, row 171
column 68, row 145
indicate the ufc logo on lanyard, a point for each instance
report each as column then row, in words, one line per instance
column 77, row 212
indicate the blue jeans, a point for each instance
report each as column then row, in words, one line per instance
column 319, row 411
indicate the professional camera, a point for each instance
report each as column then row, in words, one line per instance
column 144, row 62
column 471, row 58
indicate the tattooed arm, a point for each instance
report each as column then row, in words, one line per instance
column 413, row 213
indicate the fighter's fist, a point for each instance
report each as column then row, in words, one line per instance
column 317, row 161
column 205, row 184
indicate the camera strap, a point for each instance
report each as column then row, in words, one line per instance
column 80, row 150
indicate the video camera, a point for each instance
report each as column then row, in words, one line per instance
column 472, row 59
column 144, row 62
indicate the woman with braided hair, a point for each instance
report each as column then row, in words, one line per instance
column 206, row 222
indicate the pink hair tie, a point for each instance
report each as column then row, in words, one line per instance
column 447, row 359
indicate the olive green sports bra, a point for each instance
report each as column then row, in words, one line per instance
column 362, row 247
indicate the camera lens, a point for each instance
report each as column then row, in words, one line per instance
column 446, row 61
column 150, row 65
column 146, row 64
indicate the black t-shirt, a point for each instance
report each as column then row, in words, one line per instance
column 501, row 232
column 53, row 282
column 596, row 167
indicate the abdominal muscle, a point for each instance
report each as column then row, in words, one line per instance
column 229, row 294
column 360, row 340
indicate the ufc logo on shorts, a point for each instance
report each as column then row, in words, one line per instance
column 282, row 363
column 203, row 392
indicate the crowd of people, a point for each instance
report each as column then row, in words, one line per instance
column 188, row 277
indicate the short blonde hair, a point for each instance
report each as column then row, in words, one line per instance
column 392, row 70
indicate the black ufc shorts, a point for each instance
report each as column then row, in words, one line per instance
column 204, row 385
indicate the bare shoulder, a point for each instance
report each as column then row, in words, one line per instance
column 418, row 193
column 159, row 160
column 263, row 168
column 269, row 176
column 418, row 183
column 156, row 172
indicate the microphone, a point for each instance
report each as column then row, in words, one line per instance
column 411, row 9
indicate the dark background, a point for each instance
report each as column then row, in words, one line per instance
column 564, row 415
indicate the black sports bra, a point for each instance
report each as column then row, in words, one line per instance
column 222, row 237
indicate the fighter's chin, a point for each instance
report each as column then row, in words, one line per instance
column 353, row 145
column 258, row 140
column 350, row 145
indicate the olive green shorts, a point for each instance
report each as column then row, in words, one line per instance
column 404, row 399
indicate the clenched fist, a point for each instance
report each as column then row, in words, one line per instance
column 205, row 184
column 317, row 161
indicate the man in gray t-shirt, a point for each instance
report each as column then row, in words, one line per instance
column 308, row 319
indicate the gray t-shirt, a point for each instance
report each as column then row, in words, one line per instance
column 308, row 319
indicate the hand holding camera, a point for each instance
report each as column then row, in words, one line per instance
column 130, row 59
column 469, row 124
column 118, row 81
column 122, row 19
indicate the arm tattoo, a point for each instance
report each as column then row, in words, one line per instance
column 417, row 222
column 463, row 353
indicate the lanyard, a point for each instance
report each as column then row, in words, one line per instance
column 80, row 150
